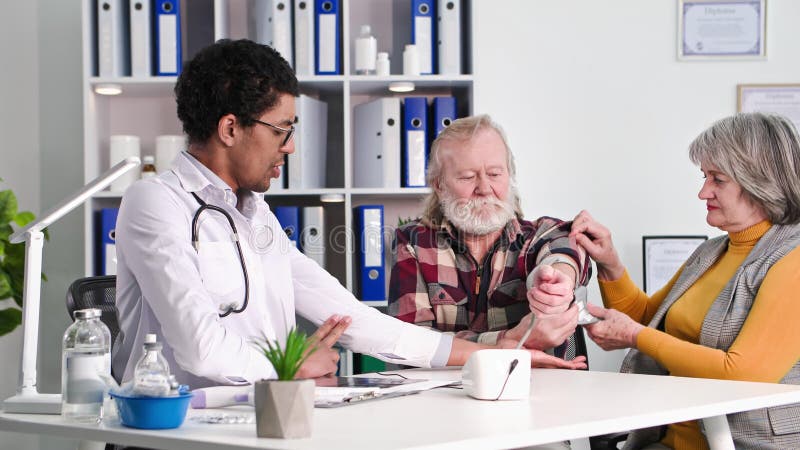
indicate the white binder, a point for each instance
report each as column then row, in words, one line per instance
column 141, row 56
column 422, row 16
column 279, row 184
column 271, row 24
column 112, row 39
column 307, row 163
column 304, row 37
column 312, row 235
column 221, row 30
column 376, row 159
column 449, row 33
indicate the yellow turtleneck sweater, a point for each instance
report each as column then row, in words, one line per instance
column 768, row 344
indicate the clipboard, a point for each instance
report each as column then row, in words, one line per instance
column 333, row 392
column 361, row 398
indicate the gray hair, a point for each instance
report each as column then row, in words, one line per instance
column 461, row 131
column 761, row 153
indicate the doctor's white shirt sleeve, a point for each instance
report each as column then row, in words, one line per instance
column 318, row 295
column 153, row 240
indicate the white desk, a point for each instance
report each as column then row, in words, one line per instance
column 563, row 405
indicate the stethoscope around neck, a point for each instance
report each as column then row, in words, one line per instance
column 231, row 308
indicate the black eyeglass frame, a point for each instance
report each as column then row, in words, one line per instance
column 289, row 131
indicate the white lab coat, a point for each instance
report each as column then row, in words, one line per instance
column 165, row 286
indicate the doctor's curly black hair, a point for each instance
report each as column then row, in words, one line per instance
column 238, row 77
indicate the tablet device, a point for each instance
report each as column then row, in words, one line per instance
column 359, row 382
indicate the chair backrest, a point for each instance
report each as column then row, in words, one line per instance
column 576, row 346
column 96, row 292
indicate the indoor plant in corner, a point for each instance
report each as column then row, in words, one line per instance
column 285, row 407
column 12, row 260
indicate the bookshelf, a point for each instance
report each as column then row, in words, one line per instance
column 146, row 108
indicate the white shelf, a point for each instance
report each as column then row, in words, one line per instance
column 303, row 192
column 394, row 192
column 146, row 108
column 138, row 87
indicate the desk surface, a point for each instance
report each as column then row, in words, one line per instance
column 563, row 405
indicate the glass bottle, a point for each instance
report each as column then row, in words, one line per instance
column 151, row 375
column 148, row 167
column 86, row 353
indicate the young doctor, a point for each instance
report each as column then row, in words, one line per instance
column 204, row 264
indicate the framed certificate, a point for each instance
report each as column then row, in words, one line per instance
column 719, row 29
column 781, row 99
column 662, row 256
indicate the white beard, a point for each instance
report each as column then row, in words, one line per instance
column 478, row 216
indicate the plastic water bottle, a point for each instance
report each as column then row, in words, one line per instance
column 86, row 355
column 366, row 50
column 151, row 375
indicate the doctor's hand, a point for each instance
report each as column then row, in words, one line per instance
column 615, row 330
column 551, row 291
column 543, row 360
column 549, row 330
column 596, row 240
column 324, row 360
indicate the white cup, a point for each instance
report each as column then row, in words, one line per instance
column 167, row 148
column 122, row 146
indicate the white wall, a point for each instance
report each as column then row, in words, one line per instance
column 42, row 160
column 19, row 155
column 599, row 112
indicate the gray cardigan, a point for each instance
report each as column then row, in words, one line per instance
column 777, row 427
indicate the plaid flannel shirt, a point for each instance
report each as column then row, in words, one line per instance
column 436, row 282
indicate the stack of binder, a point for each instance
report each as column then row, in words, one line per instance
column 387, row 156
column 305, row 228
column 307, row 33
column 142, row 38
column 139, row 38
column 147, row 37
column 436, row 31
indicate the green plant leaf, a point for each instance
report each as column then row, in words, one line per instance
column 23, row 218
column 10, row 318
column 287, row 361
column 5, row 285
column 5, row 232
column 8, row 206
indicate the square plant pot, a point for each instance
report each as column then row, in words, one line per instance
column 284, row 409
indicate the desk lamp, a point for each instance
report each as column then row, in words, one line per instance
column 28, row 398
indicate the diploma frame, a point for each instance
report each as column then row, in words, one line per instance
column 770, row 98
column 653, row 246
column 756, row 23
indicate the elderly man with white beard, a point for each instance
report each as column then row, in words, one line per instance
column 471, row 265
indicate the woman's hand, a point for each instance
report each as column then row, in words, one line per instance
column 614, row 331
column 596, row 240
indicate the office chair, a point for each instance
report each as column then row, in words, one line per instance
column 97, row 292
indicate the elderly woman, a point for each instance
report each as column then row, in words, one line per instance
column 731, row 311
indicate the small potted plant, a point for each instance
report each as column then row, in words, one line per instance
column 285, row 407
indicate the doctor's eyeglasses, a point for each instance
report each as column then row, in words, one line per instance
column 289, row 131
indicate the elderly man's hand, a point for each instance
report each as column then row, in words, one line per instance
column 615, row 330
column 549, row 330
column 543, row 360
column 551, row 291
